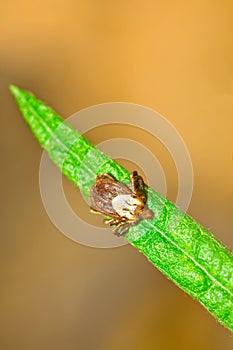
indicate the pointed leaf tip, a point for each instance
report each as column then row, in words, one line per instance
column 16, row 92
column 14, row 89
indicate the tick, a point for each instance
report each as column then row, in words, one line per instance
column 125, row 206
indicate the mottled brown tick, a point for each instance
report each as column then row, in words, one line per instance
column 125, row 206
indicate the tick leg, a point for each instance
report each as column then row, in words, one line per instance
column 125, row 230
column 137, row 185
column 94, row 211
column 117, row 231
column 136, row 182
column 111, row 222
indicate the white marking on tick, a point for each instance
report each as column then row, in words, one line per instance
column 126, row 205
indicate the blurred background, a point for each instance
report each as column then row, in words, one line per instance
column 175, row 57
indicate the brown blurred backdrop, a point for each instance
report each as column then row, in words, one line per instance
column 174, row 56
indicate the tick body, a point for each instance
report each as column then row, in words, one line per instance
column 125, row 206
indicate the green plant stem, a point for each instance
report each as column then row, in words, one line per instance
column 177, row 245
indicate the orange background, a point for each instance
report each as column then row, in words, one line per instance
column 173, row 56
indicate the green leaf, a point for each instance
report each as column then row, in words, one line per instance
column 177, row 245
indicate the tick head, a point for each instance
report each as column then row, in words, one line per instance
column 146, row 214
